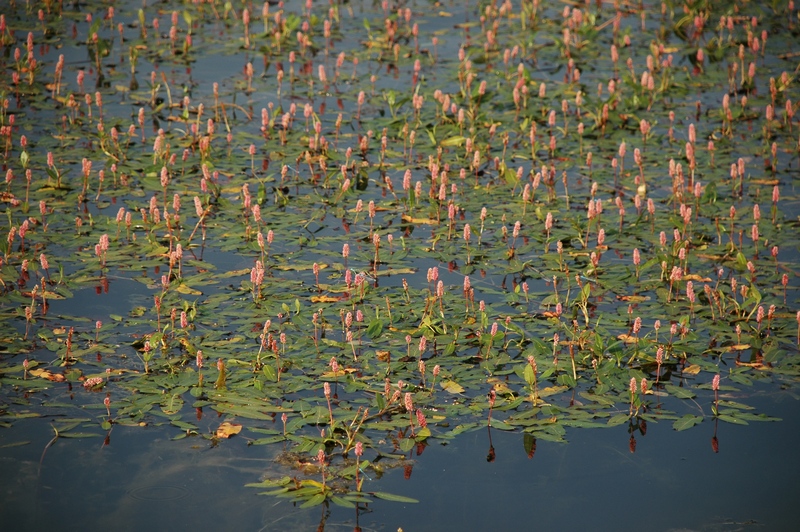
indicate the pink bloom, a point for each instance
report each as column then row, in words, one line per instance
column 92, row 382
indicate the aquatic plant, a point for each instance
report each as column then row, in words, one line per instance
column 473, row 122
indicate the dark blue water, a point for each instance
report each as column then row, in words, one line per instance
column 673, row 481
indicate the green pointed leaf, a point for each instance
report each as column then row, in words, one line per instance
column 686, row 422
column 391, row 497
column 680, row 393
column 316, row 500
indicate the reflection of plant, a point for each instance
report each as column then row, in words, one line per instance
column 335, row 484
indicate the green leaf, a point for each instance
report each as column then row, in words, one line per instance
column 422, row 434
column 732, row 419
column 316, row 500
column 270, row 373
column 741, row 379
column 619, row 419
column 78, row 434
column 529, row 375
column 686, row 422
column 375, row 328
column 338, row 501
column 406, row 444
column 391, row 497
column 456, row 140
column 680, row 393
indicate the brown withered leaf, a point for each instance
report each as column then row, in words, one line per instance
column 738, row 347
column 45, row 374
column 228, row 429
column 340, row 373
column 757, row 365
column 634, row 299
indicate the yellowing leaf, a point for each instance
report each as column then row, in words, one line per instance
column 694, row 369
column 551, row 390
column 713, row 257
column 187, row 290
column 45, row 374
column 757, row 365
column 451, row 387
column 393, row 271
column 228, row 429
column 500, row 387
column 457, row 140
column 53, row 295
column 233, row 273
column 299, row 267
column 325, row 299
column 738, row 347
column 627, row 338
column 328, row 375
column 695, row 277
column 634, row 299
column 418, row 221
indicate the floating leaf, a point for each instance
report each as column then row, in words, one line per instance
column 325, row 299
column 451, row 387
column 187, row 290
column 315, row 500
column 418, row 221
column 391, row 497
column 680, row 393
column 735, row 419
column 228, row 429
column 618, row 419
column 551, row 390
column 628, row 338
column 78, row 435
column 46, row 374
column 686, row 422
column 694, row 369
column 738, row 347
column 457, row 140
